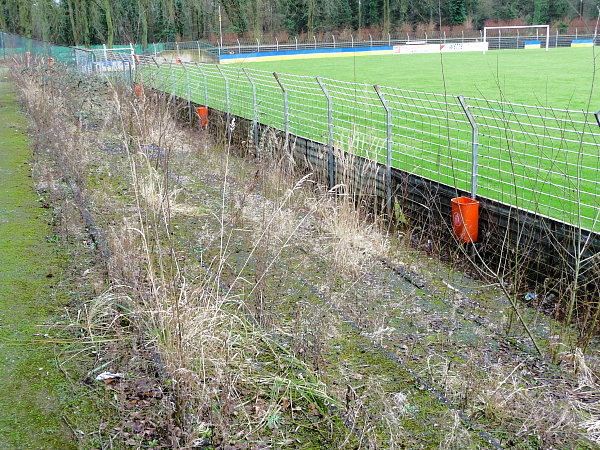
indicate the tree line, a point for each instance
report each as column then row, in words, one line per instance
column 86, row 22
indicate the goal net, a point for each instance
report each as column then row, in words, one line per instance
column 536, row 36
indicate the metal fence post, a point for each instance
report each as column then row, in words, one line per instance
column 94, row 66
column 286, row 122
column 161, row 84
column 474, row 146
column 388, row 148
column 132, row 65
column 254, row 110
column 226, row 95
column 189, row 93
column 172, row 84
column 331, row 155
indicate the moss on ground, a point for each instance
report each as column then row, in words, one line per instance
column 34, row 394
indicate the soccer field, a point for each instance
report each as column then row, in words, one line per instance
column 541, row 158
column 558, row 78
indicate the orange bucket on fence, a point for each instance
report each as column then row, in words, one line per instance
column 465, row 219
column 139, row 90
column 203, row 115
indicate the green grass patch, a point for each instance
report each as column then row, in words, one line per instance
column 559, row 78
column 30, row 414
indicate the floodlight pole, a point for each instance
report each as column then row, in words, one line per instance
column 220, row 29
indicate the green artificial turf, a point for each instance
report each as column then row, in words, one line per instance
column 559, row 78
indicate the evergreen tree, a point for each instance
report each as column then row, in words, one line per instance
column 457, row 12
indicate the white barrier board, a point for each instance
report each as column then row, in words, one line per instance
column 444, row 48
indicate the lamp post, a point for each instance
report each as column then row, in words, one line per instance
column 359, row 14
column 220, row 28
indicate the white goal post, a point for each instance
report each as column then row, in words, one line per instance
column 547, row 27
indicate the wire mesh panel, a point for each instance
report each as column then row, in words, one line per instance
column 359, row 119
column 540, row 159
column 190, row 51
column 240, row 92
column 147, row 72
column 217, row 96
column 431, row 136
column 269, row 99
column 198, row 87
column 307, row 107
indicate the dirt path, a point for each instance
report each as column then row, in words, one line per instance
column 30, row 415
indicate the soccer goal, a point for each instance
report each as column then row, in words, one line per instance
column 516, row 27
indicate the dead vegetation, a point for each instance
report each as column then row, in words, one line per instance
column 248, row 306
